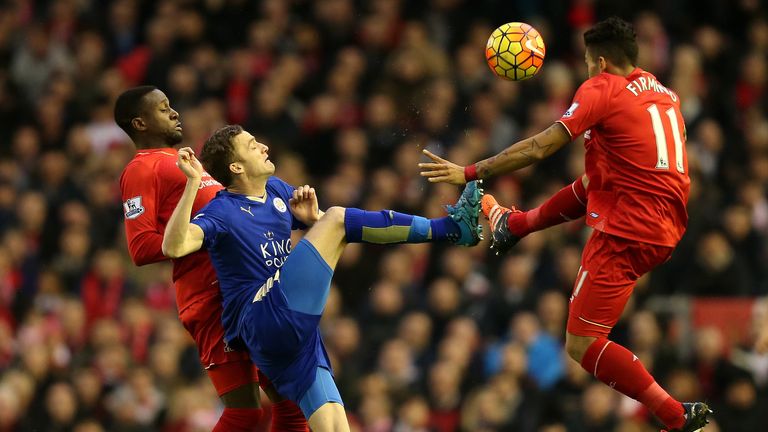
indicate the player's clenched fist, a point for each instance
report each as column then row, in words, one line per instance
column 304, row 205
column 188, row 163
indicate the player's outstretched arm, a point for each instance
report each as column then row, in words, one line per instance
column 181, row 237
column 518, row 155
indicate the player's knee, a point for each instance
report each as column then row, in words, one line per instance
column 576, row 346
column 335, row 214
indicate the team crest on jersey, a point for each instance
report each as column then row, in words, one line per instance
column 571, row 110
column 133, row 208
column 279, row 204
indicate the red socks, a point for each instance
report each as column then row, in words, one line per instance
column 621, row 370
column 287, row 417
column 567, row 204
column 238, row 420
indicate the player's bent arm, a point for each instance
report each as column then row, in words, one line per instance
column 525, row 152
column 146, row 248
column 181, row 237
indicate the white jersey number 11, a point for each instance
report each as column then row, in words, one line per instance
column 662, row 160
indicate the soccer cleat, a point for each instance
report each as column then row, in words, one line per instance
column 502, row 240
column 465, row 213
column 695, row 417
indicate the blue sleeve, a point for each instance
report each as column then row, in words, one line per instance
column 285, row 191
column 210, row 219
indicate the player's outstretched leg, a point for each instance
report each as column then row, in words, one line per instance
column 386, row 227
column 509, row 225
column 340, row 226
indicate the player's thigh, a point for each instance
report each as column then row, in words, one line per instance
column 330, row 417
column 321, row 393
column 327, row 235
column 228, row 369
column 305, row 279
column 236, row 383
column 610, row 267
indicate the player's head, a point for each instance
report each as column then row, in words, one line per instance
column 232, row 153
column 145, row 114
column 610, row 42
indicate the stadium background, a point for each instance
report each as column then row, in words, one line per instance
column 347, row 93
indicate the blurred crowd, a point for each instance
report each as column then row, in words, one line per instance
column 347, row 93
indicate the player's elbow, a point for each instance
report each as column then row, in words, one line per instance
column 172, row 251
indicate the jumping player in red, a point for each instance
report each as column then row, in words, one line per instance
column 151, row 185
column 634, row 195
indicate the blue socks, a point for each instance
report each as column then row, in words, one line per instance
column 387, row 226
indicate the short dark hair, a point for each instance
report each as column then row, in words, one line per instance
column 218, row 152
column 613, row 39
column 129, row 105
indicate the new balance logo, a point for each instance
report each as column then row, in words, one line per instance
column 248, row 210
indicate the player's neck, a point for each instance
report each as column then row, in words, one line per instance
column 151, row 144
column 249, row 186
column 624, row 71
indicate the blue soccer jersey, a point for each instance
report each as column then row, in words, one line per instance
column 248, row 239
column 249, row 242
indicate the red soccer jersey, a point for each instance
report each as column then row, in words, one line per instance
column 151, row 186
column 635, row 156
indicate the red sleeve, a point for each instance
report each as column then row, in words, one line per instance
column 139, row 193
column 589, row 106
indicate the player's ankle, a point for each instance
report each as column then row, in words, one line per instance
column 517, row 223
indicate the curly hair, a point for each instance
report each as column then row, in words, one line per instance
column 129, row 105
column 218, row 152
column 613, row 39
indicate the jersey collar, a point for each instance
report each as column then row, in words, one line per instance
column 249, row 198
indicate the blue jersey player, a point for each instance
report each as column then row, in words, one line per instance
column 274, row 294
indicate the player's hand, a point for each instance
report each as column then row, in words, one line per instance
column 441, row 170
column 304, row 205
column 189, row 165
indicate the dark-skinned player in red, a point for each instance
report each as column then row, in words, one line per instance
column 151, row 185
column 634, row 196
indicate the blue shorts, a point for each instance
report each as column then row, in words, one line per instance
column 322, row 391
column 280, row 329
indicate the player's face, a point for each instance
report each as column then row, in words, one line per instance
column 160, row 119
column 594, row 65
column 252, row 156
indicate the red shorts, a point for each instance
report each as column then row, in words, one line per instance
column 226, row 368
column 610, row 267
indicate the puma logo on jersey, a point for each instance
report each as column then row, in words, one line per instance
column 248, row 210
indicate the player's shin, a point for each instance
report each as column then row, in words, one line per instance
column 617, row 367
column 567, row 204
column 387, row 226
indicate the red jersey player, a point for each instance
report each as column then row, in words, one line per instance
column 151, row 185
column 634, row 194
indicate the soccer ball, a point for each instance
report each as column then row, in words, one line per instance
column 515, row 51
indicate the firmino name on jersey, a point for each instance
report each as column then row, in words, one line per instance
column 209, row 182
column 642, row 84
